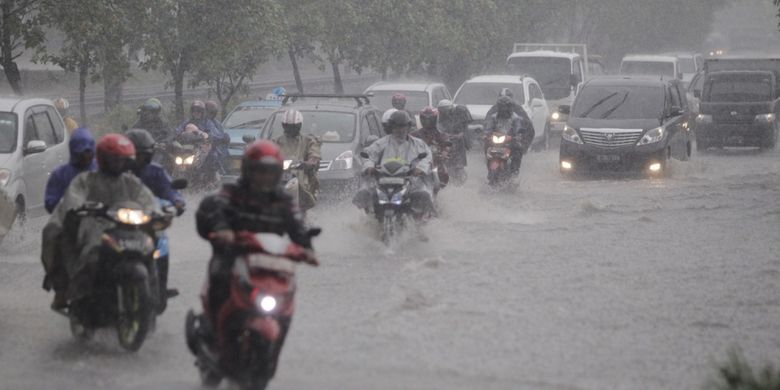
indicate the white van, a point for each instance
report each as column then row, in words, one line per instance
column 651, row 65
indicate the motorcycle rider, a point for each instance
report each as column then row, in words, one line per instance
column 82, row 158
column 399, row 146
column 256, row 203
column 507, row 122
column 398, row 101
column 71, row 242
column 386, row 120
column 454, row 120
column 217, row 137
column 222, row 138
column 437, row 140
column 516, row 108
column 156, row 179
column 62, row 106
column 150, row 119
column 303, row 148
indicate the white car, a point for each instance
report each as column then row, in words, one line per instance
column 690, row 64
column 418, row 94
column 33, row 142
column 651, row 65
column 481, row 93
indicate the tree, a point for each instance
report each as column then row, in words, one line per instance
column 19, row 30
column 233, row 51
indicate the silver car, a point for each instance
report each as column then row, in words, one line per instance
column 33, row 142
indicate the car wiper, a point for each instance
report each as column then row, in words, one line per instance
column 611, row 110
column 598, row 103
column 257, row 121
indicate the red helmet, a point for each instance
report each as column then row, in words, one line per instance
column 113, row 153
column 399, row 101
column 428, row 117
column 261, row 155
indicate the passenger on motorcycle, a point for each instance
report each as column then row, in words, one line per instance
column 304, row 149
column 454, row 121
column 399, row 146
column 507, row 122
column 62, row 106
column 255, row 203
column 437, row 140
column 156, row 179
column 216, row 136
column 398, row 101
column 70, row 244
column 82, row 159
column 221, row 137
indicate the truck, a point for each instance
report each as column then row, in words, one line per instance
column 558, row 68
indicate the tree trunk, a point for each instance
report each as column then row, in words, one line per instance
column 296, row 71
column 10, row 68
column 178, row 91
column 338, row 85
column 13, row 76
column 83, row 72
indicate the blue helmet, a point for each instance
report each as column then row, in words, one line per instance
column 279, row 91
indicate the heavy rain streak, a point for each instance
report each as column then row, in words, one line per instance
column 424, row 194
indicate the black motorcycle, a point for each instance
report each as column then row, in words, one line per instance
column 392, row 205
column 123, row 285
column 190, row 156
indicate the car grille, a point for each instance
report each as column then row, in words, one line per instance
column 325, row 165
column 611, row 138
column 739, row 118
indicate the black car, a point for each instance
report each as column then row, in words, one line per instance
column 626, row 124
column 738, row 108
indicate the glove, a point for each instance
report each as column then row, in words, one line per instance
column 310, row 258
column 224, row 236
column 181, row 207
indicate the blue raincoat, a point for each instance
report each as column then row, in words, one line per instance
column 59, row 180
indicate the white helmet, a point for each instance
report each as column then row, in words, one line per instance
column 292, row 117
column 387, row 114
column 61, row 104
column 444, row 103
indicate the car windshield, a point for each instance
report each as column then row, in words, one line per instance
column 248, row 117
column 660, row 68
column 7, row 132
column 553, row 74
column 415, row 101
column 743, row 88
column 687, row 65
column 329, row 126
column 487, row 93
column 619, row 102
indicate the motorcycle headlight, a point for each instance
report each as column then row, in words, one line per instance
column 189, row 160
column 382, row 197
column 703, row 118
column 765, row 118
column 343, row 161
column 266, row 303
column 5, row 177
column 179, row 160
column 499, row 139
column 571, row 135
column 398, row 197
column 555, row 116
column 653, row 136
column 286, row 164
column 132, row 216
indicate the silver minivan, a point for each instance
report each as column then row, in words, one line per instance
column 33, row 142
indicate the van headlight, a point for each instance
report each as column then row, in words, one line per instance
column 653, row 136
column 571, row 135
column 765, row 118
column 5, row 177
column 343, row 161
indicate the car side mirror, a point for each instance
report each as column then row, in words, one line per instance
column 34, row 147
column 179, row 184
column 364, row 155
column 248, row 138
column 537, row 103
column 697, row 93
column 370, row 140
column 314, row 232
column 564, row 109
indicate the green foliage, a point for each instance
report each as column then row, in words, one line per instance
column 737, row 374
column 112, row 121
column 20, row 29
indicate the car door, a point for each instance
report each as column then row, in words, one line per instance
column 539, row 109
column 61, row 150
column 34, row 167
column 674, row 123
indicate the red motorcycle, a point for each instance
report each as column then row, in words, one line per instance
column 252, row 324
column 499, row 155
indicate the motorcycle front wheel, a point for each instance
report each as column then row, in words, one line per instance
column 388, row 228
column 135, row 304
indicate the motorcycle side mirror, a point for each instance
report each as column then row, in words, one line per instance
column 364, row 155
column 179, row 184
column 248, row 138
column 422, row 155
column 314, row 232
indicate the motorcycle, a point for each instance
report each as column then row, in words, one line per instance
column 190, row 154
column 252, row 324
column 392, row 204
column 124, row 285
column 290, row 180
column 499, row 157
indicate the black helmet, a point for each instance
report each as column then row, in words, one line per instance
column 504, row 102
column 152, row 105
column 142, row 140
column 399, row 118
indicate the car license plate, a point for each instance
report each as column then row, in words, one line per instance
column 607, row 158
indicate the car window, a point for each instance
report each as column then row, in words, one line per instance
column 696, row 83
column 7, row 132
column 552, row 73
column 373, row 122
column 487, row 93
column 619, row 102
column 30, row 133
column 535, row 91
column 648, row 68
column 365, row 127
column 577, row 70
column 415, row 101
column 687, row 65
column 247, row 117
column 44, row 128
column 438, row 95
column 675, row 96
column 56, row 121
column 738, row 88
column 329, row 126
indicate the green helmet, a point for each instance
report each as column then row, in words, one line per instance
column 152, row 105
